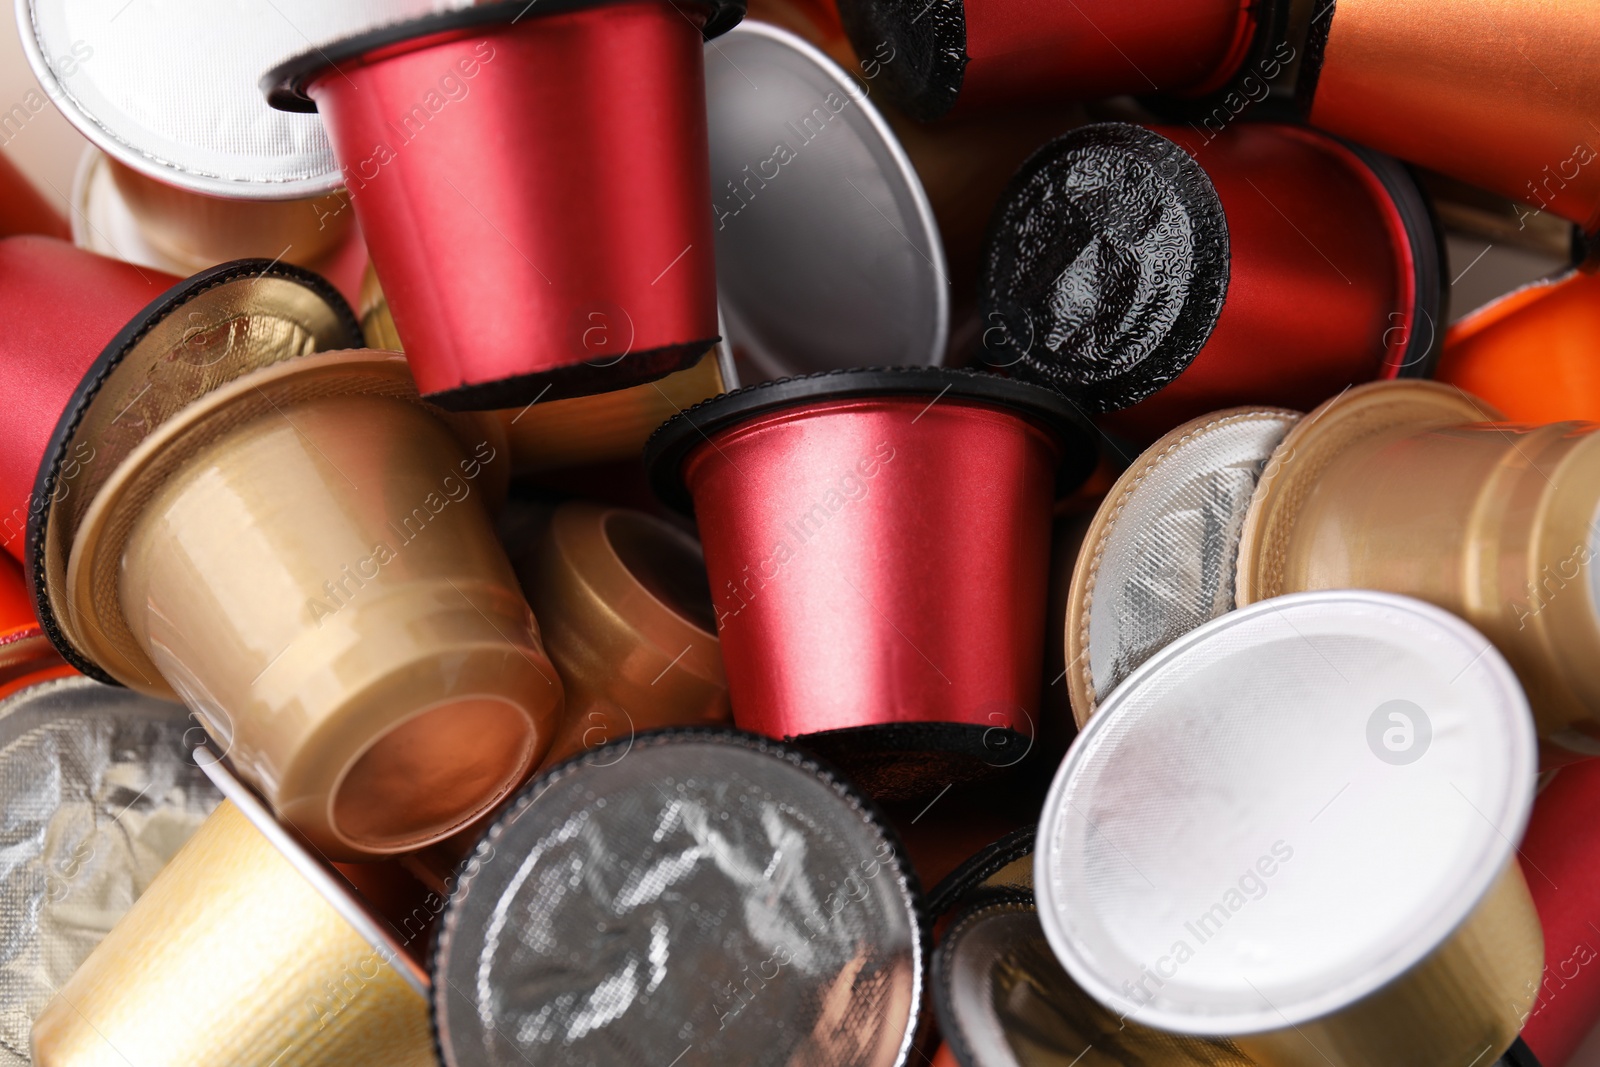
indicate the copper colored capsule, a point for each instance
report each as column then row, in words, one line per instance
column 626, row 617
column 122, row 212
column 1498, row 93
column 878, row 543
column 1421, row 489
column 1156, row 274
column 247, row 949
column 1531, row 352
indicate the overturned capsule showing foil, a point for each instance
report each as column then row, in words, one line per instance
column 878, row 546
column 1295, row 827
column 1421, row 489
column 1156, row 274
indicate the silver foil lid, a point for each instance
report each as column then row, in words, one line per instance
column 828, row 254
column 1282, row 811
column 170, row 87
column 1159, row 558
column 97, row 792
column 709, row 898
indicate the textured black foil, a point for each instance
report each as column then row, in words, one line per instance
column 698, row 898
column 920, row 46
column 1105, row 267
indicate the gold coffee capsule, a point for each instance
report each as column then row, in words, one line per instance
column 578, row 431
column 1419, row 488
column 306, row 556
column 626, row 614
column 122, row 212
column 248, row 951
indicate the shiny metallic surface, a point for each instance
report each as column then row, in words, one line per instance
column 1158, row 559
column 1499, row 93
column 247, row 950
column 306, row 555
column 1004, row 1001
column 1421, row 489
column 170, row 89
column 99, row 792
column 1295, row 825
column 828, row 254
column 573, row 258
column 625, row 613
column 710, row 897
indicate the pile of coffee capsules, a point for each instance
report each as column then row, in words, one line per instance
column 848, row 533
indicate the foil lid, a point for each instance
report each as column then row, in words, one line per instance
column 710, row 898
column 1283, row 811
column 814, row 198
column 170, row 87
column 98, row 792
column 1160, row 556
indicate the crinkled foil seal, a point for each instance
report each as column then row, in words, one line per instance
column 703, row 897
column 1105, row 267
column 1161, row 554
column 97, row 792
column 921, row 46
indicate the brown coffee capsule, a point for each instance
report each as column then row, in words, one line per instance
column 1421, row 489
column 247, row 949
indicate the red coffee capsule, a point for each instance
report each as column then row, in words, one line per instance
column 533, row 184
column 1502, row 96
column 878, row 546
column 23, row 209
column 1157, row 271
column 965, row 55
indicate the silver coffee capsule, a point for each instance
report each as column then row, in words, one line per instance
column 1159, row 557
column 98, row 792
column 1294, row 827
column 828, row 254
column 700, row 898
column 170, row 87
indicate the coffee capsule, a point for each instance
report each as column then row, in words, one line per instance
column 878, row 544
column 575, row 256
column 828, row 254
column 1295, row 827
column 1001, row 997
column 1421, row 489
column 626, row 616
column 1502, row 100
column 23, row 209
column 1561, row 860
column 547, row 435
column 1161, row 272
column 967, row 55
column 99, row 793
column 121, row 212
column 24, row 649
column 169, row 89
column 1531, row 352
column 248, row 950
column 713, row 898
column 1159, row 556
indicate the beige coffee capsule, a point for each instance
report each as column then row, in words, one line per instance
column 306, row 556
column 245, row 950
column 1421, row 489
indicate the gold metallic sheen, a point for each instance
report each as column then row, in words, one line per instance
column 306, row 555
column 1406, row 487
column 626, row 612
column 232, row 957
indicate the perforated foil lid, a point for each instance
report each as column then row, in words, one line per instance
column 1282, row 811
column 169, row 87
column 1159, row 558
column 815, row 199
column 708, row 898
column 98, row 791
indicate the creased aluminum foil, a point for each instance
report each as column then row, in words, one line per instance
column 695, row 902
column 97, row 792
column 1167, row 558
